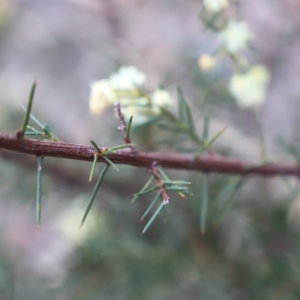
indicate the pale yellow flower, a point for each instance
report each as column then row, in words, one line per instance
column 127, row 78
column 133, row 101
column 161, row 98
column 250, row 89
column 141, row 115
column 123, row 87
column 236, row 36
column 207, row 62
column 102, row 95
column 215, row 5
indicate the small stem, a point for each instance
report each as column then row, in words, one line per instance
column 122, row 127
column 158, row 176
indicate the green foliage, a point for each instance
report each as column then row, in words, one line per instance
column 94, row 194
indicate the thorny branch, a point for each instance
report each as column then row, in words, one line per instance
column 142, row 159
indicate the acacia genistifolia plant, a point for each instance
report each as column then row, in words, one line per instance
column 41, row 142
column 191, row 151
column 134, row 106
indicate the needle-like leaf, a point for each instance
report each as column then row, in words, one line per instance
column 129, row 128
column 166, row 178
column 176, row 188
column 208, row 143
column 143, row 188
column 28, row 110
column 161, row 206
column 100, row 179
column 184, row 111
column 118, row 147
column 176, row 182
column 181, row 103
column 226, row 197
column 110, row 162
column 29, row 133
column 95, row 146
column 146, row 191
column 93, row 167
column 150, row 206
column 163, row 174
column 34, row 118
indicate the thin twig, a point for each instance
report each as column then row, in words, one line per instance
column 122, row 127
column 142, row 159
column 160, row 183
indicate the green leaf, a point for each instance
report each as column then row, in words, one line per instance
column 100, row 179
column 129, row 128
column 30, row 133
column 176, row 188
column 226, row 195
column 166, row 178
column 48, row 133
column 190, row 118
column 38, row 190
column 29, row 106
column 161, row 206
column 176, row 182
column 118, row 147
column 47, row 130
column 33, row 129
column 34, row 118
column 208, row 143
column 184, row 111
column 95, row 146
column 150, row 190
column 110, row 162
column 93, row 167
column 150, row 206
column 143, row 188
column 163, row 174
column 187, row 192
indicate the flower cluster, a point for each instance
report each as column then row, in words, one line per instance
column 126, row 87
column 215, row 5
column 248, row 84
column 249, row 89
column 235, row 36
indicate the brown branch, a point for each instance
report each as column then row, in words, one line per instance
column 142, row 159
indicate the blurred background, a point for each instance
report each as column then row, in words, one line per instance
column 250, row 251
